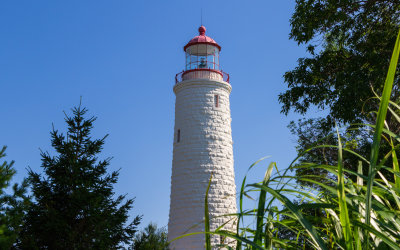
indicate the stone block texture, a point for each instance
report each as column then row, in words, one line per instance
column 203, row 146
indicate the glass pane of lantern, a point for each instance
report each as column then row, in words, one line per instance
column 189, row 50
column 202, row 62
column 210, row 62
column 193, row 59
column 211, row 50
column 187, row 61
column 201, row 49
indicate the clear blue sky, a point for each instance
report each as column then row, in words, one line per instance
column 121, row 57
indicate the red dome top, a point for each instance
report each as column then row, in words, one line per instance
column 202, row 38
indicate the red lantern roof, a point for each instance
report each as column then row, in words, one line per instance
column 202, row 38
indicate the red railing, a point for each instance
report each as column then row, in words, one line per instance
column 179, row 76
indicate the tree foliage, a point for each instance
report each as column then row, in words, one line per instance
column 75, row 206
column 350, row 43
column 151, row 238
column 12, row 206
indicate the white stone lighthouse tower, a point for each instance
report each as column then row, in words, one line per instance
column 202, row 146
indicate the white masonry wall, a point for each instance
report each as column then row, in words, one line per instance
column 205, row 147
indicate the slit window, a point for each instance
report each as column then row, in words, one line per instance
column 178, row 136
column 216, row 100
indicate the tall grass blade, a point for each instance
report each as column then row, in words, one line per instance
column 357, row 230
column 387, row 89
column 261, row 206
column 269, row 227
column 381, row 236
column 207, row 217
column 395, row 167
column 239, row 243
column 319, row 243
column 344, row 213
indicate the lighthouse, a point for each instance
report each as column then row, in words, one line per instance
column 202, row 147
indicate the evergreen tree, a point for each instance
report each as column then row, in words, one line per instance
column 74, row 206
column 151, row 238
column 12, row 206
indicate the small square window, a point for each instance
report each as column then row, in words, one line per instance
column 216, row 100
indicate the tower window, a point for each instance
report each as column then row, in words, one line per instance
column 216, row 100
column 178, row 136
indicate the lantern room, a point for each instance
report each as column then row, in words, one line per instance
column 202, row 59
column 202, row 52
